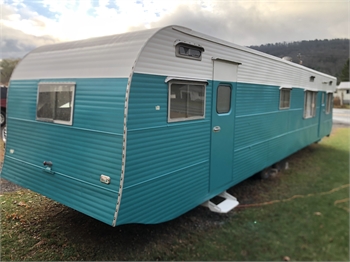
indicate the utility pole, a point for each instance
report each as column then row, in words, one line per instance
column 300, row 61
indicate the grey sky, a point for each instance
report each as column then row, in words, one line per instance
column 28, row 24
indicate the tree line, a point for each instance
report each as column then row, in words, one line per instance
column 327, row 56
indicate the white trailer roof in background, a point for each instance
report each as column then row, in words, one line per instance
column 344, row 85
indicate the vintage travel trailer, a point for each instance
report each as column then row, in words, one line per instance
column 144, row 126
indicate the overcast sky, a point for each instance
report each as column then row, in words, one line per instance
column 27, row 24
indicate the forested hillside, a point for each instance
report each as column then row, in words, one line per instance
column 327, row 56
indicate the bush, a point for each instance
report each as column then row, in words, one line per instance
column 336, row 101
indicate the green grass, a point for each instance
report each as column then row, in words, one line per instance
column 312, row 226
column 342, row 106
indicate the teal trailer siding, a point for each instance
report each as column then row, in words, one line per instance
column 266, row 134
column 80, row 153
column 159, row 168
column 167, row 164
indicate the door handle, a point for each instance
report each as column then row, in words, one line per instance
column 216, row 128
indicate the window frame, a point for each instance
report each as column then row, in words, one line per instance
column 282, row 90
column 181, row 82
column 191, row 46
column 323, row 102
column 329, row 103
column 55, row 86
column 313, row 103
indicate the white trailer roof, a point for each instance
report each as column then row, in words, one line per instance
column 101, row 57
column 152, row 52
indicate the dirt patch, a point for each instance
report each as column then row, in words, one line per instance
column 7, row 186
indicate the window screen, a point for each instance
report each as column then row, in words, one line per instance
column 329, row 103
column 284, row 98
column 55, row 102
column 186, row 101
column 310, row 104
column 223, row 99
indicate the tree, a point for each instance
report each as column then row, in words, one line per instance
column 7, row 66
column 344, row 77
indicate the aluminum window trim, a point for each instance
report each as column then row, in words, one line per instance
column 57, row 121
column 177, row 78
column 184, row 119
column 188, row 45
column 230, row 103
column 290, row 97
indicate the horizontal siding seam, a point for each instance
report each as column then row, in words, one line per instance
column 63, row 175
column 166, row 174
column 168, row 125
column 271, row 112
column 275, row 137
column 66, row 126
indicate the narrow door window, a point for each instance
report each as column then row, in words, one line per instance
column 223, row 99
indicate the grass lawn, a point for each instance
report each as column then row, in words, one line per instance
column 302, row 214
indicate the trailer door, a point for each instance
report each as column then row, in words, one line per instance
column 222, row 128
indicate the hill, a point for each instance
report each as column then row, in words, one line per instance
column 327, row 56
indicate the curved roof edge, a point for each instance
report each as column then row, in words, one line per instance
column 99, row 57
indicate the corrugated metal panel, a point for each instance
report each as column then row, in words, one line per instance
column 109, row 56
column 155, row 152
column 80, row 153
column 166, row 197
column 86, row 198
column 146, row 93
column 267, row 135
column 167, row 164
column 158, row 153
column 158, row 57
column 256, row 99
